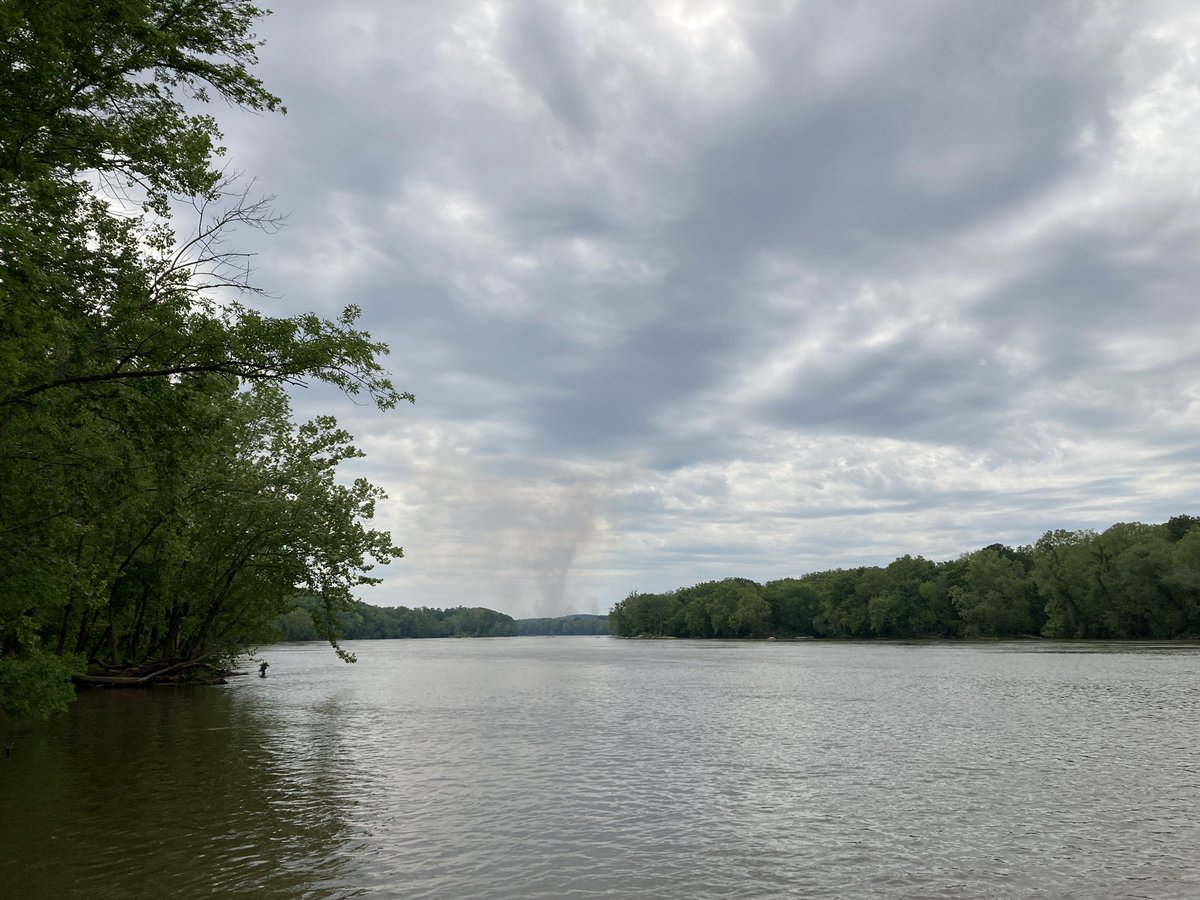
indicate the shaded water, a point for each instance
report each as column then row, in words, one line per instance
column 557, row 767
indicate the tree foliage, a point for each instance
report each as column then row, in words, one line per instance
column 362, row 621
column 158, row 504
column 1131, row 581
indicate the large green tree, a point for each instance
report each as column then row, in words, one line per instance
column 157, row 502
column 995, row 597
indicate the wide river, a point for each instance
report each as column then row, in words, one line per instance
column 593, row 767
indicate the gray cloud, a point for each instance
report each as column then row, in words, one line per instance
column 687, row 292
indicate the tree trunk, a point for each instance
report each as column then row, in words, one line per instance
column 86, row 624
column 175, row 625
column 139, row 621
column 62, row 631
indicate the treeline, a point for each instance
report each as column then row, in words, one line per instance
column 362, row 621
column 578, row 624
column 1132, row 581
column 159, row 505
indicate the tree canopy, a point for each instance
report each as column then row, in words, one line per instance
column 159, row 506
column 1131, row 581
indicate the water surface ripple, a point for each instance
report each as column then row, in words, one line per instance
column 591, row 767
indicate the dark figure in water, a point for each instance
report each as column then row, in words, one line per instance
column 262, row 669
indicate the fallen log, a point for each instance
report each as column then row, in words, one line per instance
column 136, row 680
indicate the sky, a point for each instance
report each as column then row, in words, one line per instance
column 695, row 290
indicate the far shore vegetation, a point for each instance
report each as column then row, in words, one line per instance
column 362, row 621
column 1129, row 582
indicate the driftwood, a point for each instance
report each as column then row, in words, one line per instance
column 135, row 676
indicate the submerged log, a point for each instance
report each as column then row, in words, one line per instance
column 144, row 674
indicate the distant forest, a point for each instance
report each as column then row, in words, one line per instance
column 1132, row 581
column 308, row 622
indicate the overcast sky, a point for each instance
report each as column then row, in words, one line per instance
column 692, row 290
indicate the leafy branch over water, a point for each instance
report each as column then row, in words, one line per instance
column 1130, row 581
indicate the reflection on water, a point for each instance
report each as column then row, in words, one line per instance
column 162, row 793
column 552, row 767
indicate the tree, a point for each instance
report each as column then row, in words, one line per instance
column 1065, row 574
column 1182, row 581
column 995, row 597
column 621, row 616
column 101, row 86
column 1179, row 526
column 844, row 596
column 157, row 503
column 752, row 615
column 898, row 605
column 794, row 603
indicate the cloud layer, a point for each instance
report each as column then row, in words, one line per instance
column 695, row 290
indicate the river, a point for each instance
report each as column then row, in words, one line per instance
column 594, row 767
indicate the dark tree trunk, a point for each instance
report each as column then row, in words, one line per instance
column 139, row 622
column 62, row 631
column 86, row 624
column 175, row 626
column 97, row 648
